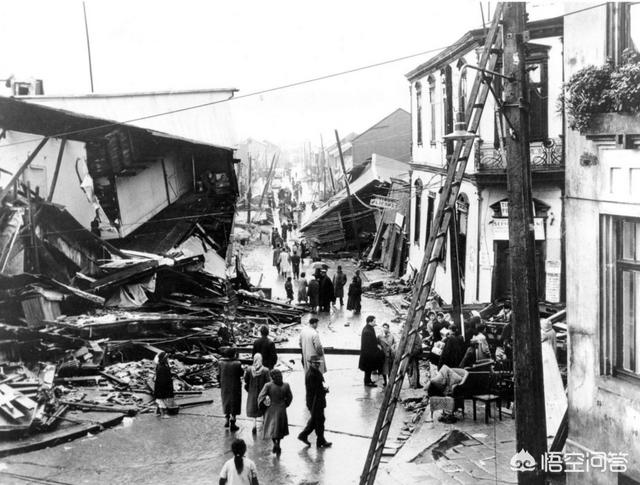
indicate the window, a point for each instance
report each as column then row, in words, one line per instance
column 623, row 29
column 537, row 69
column 419, row 113
column 538, row 96
column 463, row 89
column 432, row 109
column 431, row 203
column 447, row 105
column 418, row 196
column 621, row 285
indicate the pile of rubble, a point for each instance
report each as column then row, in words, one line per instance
column 381, row 288
column 100, row 332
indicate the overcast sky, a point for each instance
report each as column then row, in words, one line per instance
column 245, row 44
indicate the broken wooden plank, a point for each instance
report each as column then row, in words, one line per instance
column 129, row 410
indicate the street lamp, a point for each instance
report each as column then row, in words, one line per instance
column 460, row 125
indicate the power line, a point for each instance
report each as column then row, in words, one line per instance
column 234, row 98
column 268, row 90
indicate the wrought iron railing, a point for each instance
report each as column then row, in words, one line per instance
column 545, row 155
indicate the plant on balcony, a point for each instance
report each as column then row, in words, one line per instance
column 604, row 89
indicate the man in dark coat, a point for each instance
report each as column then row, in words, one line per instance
column 326, row 292
column 355, row 293
column 316, row 402
column 339, row 280
column 313, row 292
column 370, row 353
column 295, row 264
column 265, row 346
column 231, row 387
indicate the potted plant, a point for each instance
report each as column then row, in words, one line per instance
column 605, row 100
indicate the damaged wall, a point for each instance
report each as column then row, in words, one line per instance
column 144, row 195
column 15, row 147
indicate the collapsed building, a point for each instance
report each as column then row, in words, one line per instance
column 115, row 244
column 334, row 227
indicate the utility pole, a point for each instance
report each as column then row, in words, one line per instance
column 249, row 193
column 354, row 222
column 529, row 383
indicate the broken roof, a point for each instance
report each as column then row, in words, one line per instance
column 381, row 169
column 25, row 117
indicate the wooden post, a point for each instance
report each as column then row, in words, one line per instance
column 23, row 167
column 249, row 192
column 32, row 231
column 63, row 142
column 267, row 182
column 529, row 383
column 354, row 222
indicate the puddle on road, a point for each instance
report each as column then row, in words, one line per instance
column 447, row 443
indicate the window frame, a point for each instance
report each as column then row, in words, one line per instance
column 618, row 37
column 623, row 265
column 431, row 87
column 613, row 266
column 419, row 188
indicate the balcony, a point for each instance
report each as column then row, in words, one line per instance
column 545, row 156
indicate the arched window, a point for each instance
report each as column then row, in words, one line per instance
column 462, row 102
column 418, row 197
column 432, row 108
column 419, row 113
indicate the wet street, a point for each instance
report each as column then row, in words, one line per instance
column 192, row 447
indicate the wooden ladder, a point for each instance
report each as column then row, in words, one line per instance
column 455, row 172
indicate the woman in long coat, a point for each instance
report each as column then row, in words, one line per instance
column 355, row 293
column 276, row 396
column 285, row 262
column 276, row 257
column 231, row 387
column 302, row 289
column 255, row 377
column 387, row 341
column 163, row 386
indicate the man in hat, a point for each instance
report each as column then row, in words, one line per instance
column 316, row 402
column 310, row 345
column 265, row 347
column 370, row 354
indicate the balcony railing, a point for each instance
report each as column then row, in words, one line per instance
column 546, row 155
